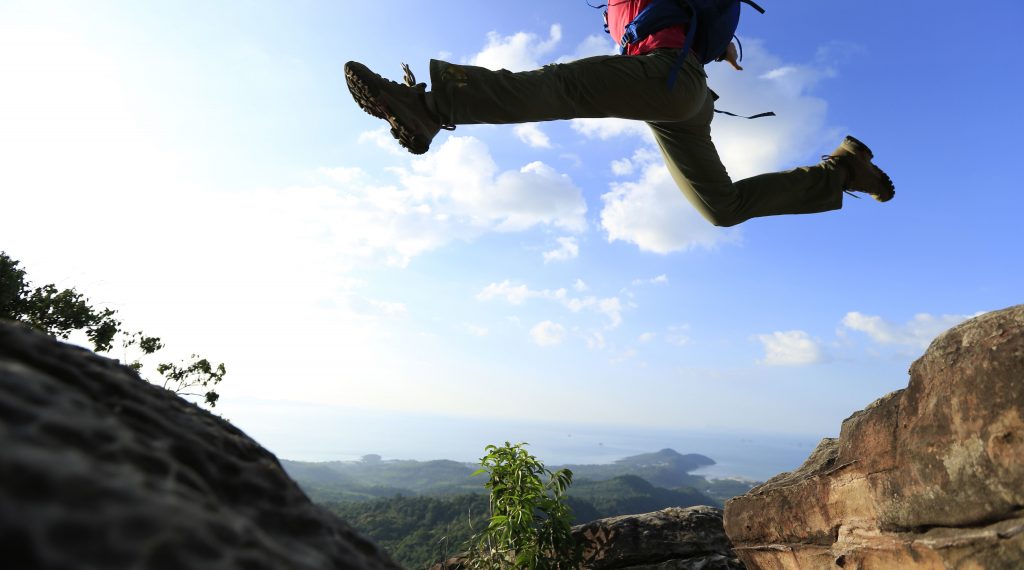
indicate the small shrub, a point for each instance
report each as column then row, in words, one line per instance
column 530, row 526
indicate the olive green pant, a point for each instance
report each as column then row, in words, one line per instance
column 636, row 87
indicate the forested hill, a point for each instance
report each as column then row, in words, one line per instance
column 372, row 477
column 421, row 511
column 419, row 531
column 666, row 468
column 348, row 481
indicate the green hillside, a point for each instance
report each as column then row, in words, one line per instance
column 421, row 511
column 347, row 481
column 419, row 531
column 372, row 478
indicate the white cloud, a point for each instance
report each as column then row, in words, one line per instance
column 622, row 167
column 628, row 354
column 659, row 280
column 547, row 333
column 646, row 337
column 476, row 330
column 456, row 192
column 653, row 214
column 605, row 129
column 521, row 51
column 343, row 175
column 791, row 348
column 388, row 308
column 610, row 307
column 382, row 139
column 531, row 134
column 525, row 51
column 514, row 294
column 677, row 335
column 595, row 340
column 918, row 332
column 642, row 156
column 799, row 132
column 580, row 286
column 568, row 248
column 462, row 176
column 591, row 46
column 650, row 213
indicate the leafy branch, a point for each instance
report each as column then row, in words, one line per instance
column 61, row 312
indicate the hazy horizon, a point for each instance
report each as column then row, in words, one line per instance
column 330, row 433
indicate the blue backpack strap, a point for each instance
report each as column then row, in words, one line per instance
column 691, row 33
column 658, row 15
column 661, row 14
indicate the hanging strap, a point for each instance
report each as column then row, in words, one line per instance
column 757, row 116
column 715, row 98
column 753, row 5
column 687, row 46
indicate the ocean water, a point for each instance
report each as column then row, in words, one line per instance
column 325, row 433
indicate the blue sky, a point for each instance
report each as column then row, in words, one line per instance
column 201, row 167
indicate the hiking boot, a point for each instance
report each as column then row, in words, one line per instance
column 404, row 106
column 855, row 157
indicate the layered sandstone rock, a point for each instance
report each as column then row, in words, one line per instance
column 100, row 470
column 927, row 477
column 671, row 539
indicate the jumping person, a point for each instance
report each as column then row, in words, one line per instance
column 651, row 81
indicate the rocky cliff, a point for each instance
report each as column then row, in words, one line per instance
column 100, row 470
column 931, row 476
column 671, row 539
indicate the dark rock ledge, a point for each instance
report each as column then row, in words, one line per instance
column 102, row 470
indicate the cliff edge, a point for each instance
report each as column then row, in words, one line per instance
column 100, row 469
column 931, row 476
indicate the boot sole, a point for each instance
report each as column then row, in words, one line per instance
column 367, row 96
column 863, row 153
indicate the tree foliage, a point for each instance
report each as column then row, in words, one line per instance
column 61, row 312
column 416, row 531
column 530, row 524
column 194, row 378
column 47, row 308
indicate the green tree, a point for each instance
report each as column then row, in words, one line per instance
column 530, row 525
column 59, row 313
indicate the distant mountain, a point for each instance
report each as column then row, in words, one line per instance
column 421, row 511
column 372, row 478
column 666, row 468
column 629, row 494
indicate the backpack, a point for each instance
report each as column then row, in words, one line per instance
column 710, row 26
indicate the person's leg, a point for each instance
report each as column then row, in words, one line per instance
column 627, row 87
column 695, row 166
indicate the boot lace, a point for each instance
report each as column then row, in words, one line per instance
column 829, row 159
column 410, row 80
